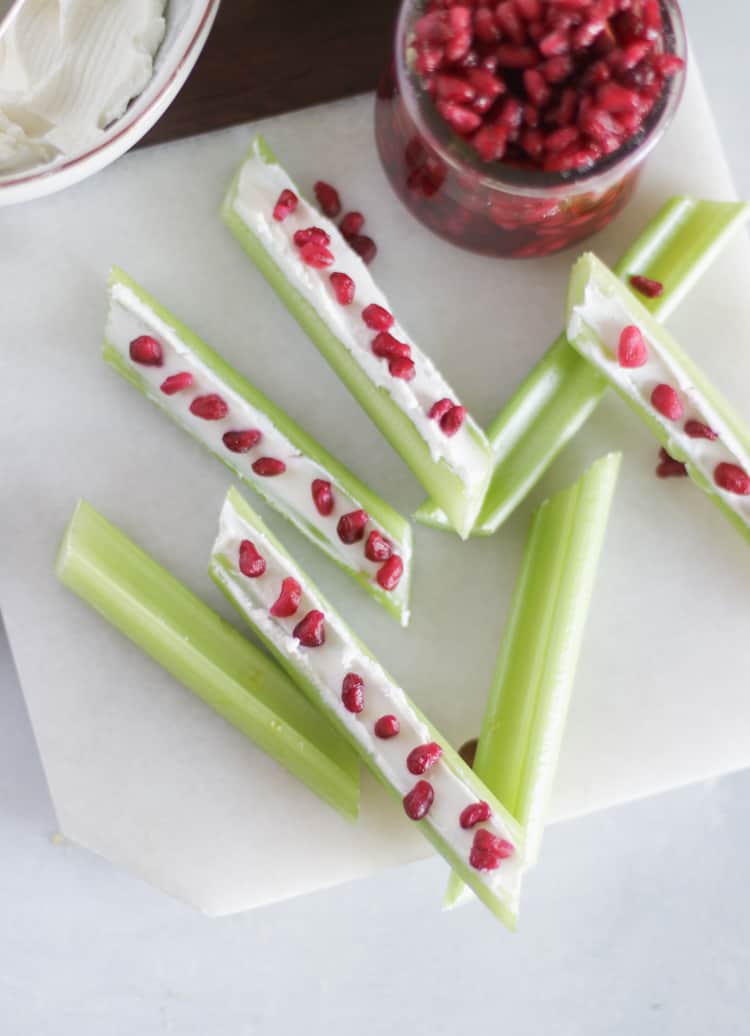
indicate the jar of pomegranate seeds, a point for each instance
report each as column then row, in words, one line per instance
column 519, row 128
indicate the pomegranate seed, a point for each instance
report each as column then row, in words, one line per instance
column 490, row 142
column 484, row 26
column 146, row 350
column 510, row 56
column 615, row 98
column 389, row 574
column 322, row 495
column 387, row 347
column 364, row 246
column 667, row 402
column 601, row 127
column 561, row 139
column 343, row 287
column 317, row 235
column 176, row 383
column 476, row 813
column 310, row 631
column 585, row 34
column 437, row 410
column 378, row 548
column 377, row 318
column 351, row 526
column 468, row 751
column 462, row 120
column 429, row 60
column 698, row 430
column 401, row 367
column 531, row 10
column 387, row 727
column 488, row 851
column 631, row 349
column 532, row 141
column 668, row 467
column 451, row 422
column 485, row 84
column 352, row 223
column 210, row 407
column 646, row 286
column 536, row 87
column 353, row 692
column 242, row 442
column 286, row 204
column 317, row 256
column 423, row 757
column 732, row 478
column 512, row 115
column 252, row 564
column 509, row 23
column 431, row 27
column 328, row 198
column 451, row 88
column 269, row 467
column 459, row 46
column 556, row 69
column 417, row 802
column 287, row 602
column 554, row 43
column 668, row 64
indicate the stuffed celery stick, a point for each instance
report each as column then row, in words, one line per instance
column 259, row 443
column 561, row 391
column 150, row 607
column 616, row 334
column 464, row 821
column 329, row 290
column 519, row 742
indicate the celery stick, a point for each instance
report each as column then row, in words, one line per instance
column 599, row 307
column 320, row 671
column 560, row 392
column 134, row 312
column 206, row 654
column 524, row 723
column 456, row 468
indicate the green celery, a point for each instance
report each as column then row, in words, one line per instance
column 224, row 377
column 560, row 392
column 320, row 676
column 459, row 501
column 201, row 650
column 702, row 400
column 523, row 727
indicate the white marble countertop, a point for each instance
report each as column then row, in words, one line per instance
column 642, row 928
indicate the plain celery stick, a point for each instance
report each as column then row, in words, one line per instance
column 320, row 670
column 560, row 392
column 593, row 329
column 519, row 742
column 154, row 610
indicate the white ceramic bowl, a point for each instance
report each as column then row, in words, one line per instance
column 188, row 25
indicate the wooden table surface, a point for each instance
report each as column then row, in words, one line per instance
column 269, row 56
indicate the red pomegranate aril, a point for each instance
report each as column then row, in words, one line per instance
column 176, row 383
column 328, row 198
column 210, row 407
column 417, row 802
column 285, row 205
column 462, row 120
column 536, row 87
column 452, row 420
column 668, row 64
column 431, row 27
column 484, row 26
column 378, row 547
column 322, row 494
column 364, row 246
column 732, row 478
column 387, row 727
column 351, row 526
column 387, row 347
column 389, row 574
column 451, row 88
column 509, row 23
column 615, row 98
column 352, row 223
column 699, row 430
column 485, row 83
column 510, row 56
column 377, row 318
column 439, row 409
column 310, row 631
column 252, row 564
column 402, row 368
column 490, row 142
column 668, row 467
column 476, row 813
column 488, row 851
column 242, row 441
column 600, row 126
column 666, row 400
column 423, row 757
column 316, row 235
column 531, row 10
column 429, row 60
column 631, row 348
column 561, row 139
column 353, row 692
column 147, row 351
column 343, row 287
column 317, row 256
column 459, row 46
column 556, row 69
column 585, row 34
column 554, row 43
column 532, row 141
column 512, row 115
column 269, row 467
column 287, row 602
column 646, row 286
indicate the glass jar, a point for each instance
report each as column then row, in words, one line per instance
column 500, row 209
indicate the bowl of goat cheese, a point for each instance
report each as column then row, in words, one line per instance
column 81, row 81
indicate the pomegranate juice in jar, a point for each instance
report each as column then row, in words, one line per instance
column 519, row 128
